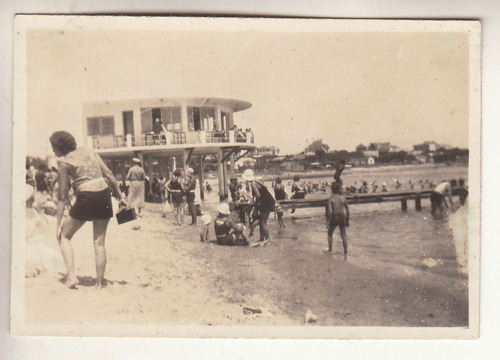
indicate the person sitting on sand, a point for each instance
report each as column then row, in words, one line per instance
column 206, row 220
column 439, row 195
column 337, row 215
column 91, row 177
column 226, row 231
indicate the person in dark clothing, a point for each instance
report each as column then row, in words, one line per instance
column 189, row 188
column 234, row 189
column 338, row 171
column 41, row 179
column 226, row 231
column 263, row 202
column 462, row 191
column 279, row 190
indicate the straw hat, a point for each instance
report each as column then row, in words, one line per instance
column 136, row 160
column 248, row 175
column 223, row 209
column 206, row 219
column 189, row 171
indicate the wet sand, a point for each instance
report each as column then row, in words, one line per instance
column 162, row 274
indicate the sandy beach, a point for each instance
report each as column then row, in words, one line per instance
column 162, row 274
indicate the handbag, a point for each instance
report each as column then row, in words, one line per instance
column 125, row 215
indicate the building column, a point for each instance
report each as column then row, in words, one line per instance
column 218, row 123
column 185, row 154
column 202, row 192
column 184, row 117
column 220, row 174
column 137, row 125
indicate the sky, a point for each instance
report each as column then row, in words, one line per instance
column 346, row 88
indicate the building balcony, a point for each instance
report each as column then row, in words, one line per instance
column 170, row 138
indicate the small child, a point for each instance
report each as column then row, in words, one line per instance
column 279, row 212
column 206, row 220
column 254, row 220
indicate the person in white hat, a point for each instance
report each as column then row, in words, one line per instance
column 263, row 203
column 189, row 187
column 136, row 177
column 226, row 231
column 206, row 220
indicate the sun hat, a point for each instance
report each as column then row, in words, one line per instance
column 223, row 209
column 136, row 160
column 248, row 175
column 189, row 171
column 206, row 219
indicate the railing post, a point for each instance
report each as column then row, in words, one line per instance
column 418, row 203
column 231, row 136
column 248, row 136
column 404, row 205
column 203, row 137
column 168, row 137
column 129, row 140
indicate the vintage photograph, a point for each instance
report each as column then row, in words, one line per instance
column 246, row 177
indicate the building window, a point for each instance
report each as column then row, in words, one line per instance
column 171, row 118
column 201, row 118
column 101, row 126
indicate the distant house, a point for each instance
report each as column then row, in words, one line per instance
column 371, row 153
column 428, row 146
column 245, row 163
column 360, row 148
column 370, row 161
column 394, row 149
column 266, row 151
column 291, row 166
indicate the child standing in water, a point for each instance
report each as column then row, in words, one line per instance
column 337, row 214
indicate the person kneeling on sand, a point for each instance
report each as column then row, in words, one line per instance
column 337, row 216
column 226, row 231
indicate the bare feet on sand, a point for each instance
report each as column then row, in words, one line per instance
column 71, row 282
column 101, row 284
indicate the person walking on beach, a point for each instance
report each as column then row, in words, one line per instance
column 93, row 201
column 175, row 190
column 337, row 215
column 136, row 177
column 189, row 188
column 438, row 197
column 263, row 202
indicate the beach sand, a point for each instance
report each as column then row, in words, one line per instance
column 162, row 274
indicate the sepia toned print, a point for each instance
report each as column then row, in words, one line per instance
column 269, row 178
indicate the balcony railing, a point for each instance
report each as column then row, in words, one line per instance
column 171, row 138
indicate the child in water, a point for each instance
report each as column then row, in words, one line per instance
column 279, row 213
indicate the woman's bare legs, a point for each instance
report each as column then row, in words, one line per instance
column 100, row 227
column 69, row 228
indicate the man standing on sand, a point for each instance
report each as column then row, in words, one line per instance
column 438, row 197
column 337, row 214
column 189, row 187
column 136, row 177
column 338, row 171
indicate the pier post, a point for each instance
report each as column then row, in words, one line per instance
column 226, row 182
column 404, row 205
column 202, row 192
column 220, row 174
column 418, row 202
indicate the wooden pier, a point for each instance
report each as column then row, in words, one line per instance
column 354, row 199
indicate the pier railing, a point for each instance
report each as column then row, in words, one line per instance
column 401, row 196
column 169, row 138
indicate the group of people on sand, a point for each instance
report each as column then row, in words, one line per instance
column 94, row 184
